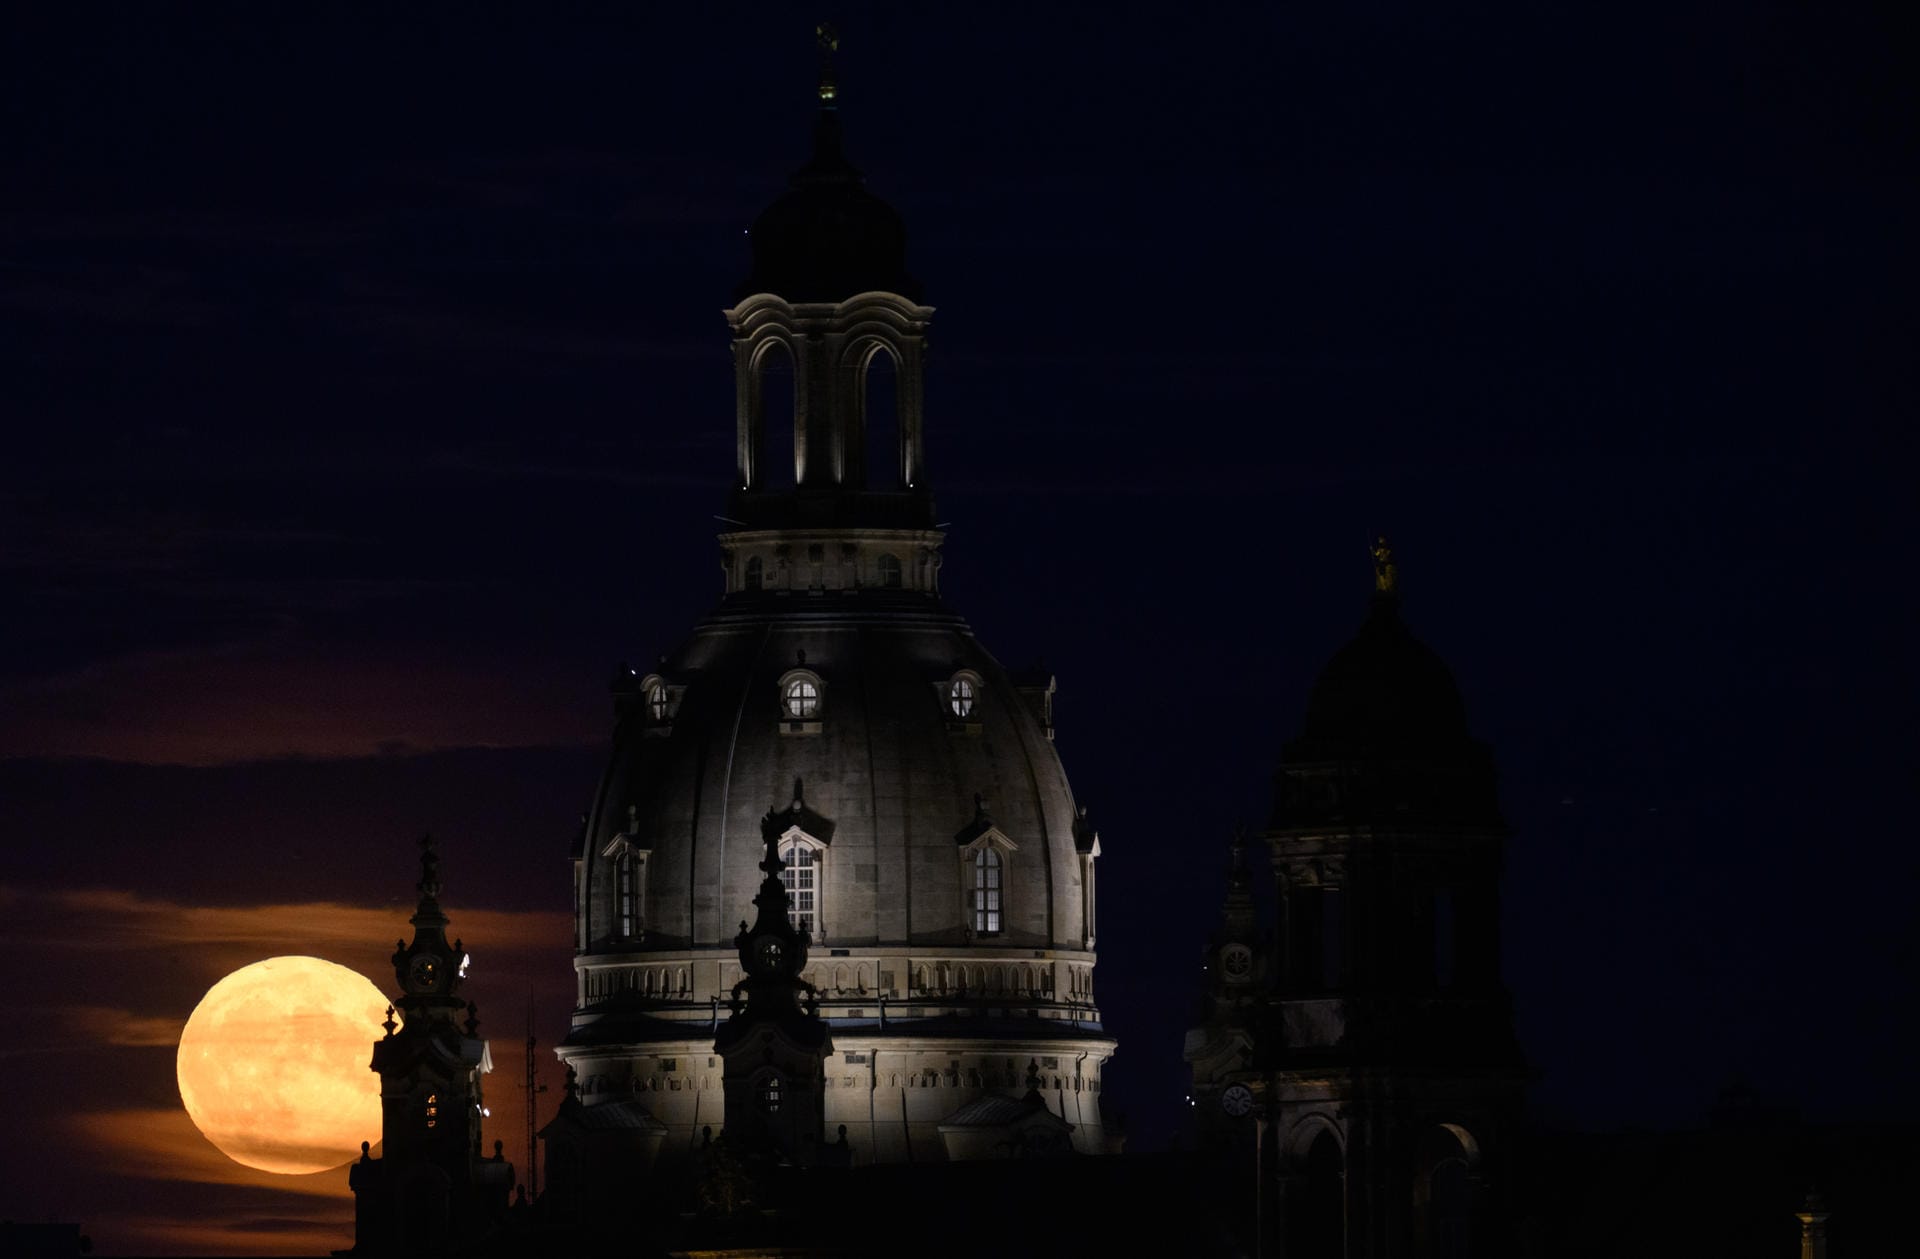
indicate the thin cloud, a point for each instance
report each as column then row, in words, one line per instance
column 113, row 920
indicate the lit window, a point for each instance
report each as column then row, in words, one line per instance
column 890, row 571
column 960, row 697
column 801, row 876
column 623, row 882
column 754, row 570
column 770, row 1095
column 657, row 701
column 802, row 699
column 986, row 892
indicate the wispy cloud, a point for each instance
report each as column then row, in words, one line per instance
column 113, row 920
column 285, row 697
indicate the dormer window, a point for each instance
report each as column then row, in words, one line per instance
column 657, row 701
column 802, row 699
column 960, row 698
column 987, row 887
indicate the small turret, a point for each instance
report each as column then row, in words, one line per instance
column 773, row 1052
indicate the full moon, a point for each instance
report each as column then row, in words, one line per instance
column 273, row 1064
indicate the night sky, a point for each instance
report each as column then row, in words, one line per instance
column 366, row 398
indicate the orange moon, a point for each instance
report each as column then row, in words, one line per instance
column 273, row 1064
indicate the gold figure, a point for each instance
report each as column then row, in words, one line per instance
column 1385, row 575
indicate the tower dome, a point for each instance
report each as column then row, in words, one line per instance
column 828, row 238
column 1386, row 730
column 1385, row 688
column 834, row 708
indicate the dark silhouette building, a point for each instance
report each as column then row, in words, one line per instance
column 1359, row 1064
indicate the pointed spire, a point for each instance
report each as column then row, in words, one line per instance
column 828, row 41
column 1239, row 920
column 829, row 163
column 429, row 884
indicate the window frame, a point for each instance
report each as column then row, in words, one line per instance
column 801, row 722
column 972, row 870
column 791, row 840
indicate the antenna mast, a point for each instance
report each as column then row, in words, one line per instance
column 533, row 1088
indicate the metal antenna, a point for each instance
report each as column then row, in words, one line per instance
column 533, row 1089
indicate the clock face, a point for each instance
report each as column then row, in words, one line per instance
column 771, row 953
column 1237, row 962
column 1237, row 1100
column 425, row 972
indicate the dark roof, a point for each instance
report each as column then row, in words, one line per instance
column 1386, row 690
column 827, row 238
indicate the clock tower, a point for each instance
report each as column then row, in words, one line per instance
column 432, row 1190
column 773, row 1051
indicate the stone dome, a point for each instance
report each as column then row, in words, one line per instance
column 827, row 237
column 883, row 772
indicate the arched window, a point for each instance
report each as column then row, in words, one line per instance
column 960, row 695
column 890, row 571
column 801, row 877
column 657, row 701
column 770, row 1095
column 986, row 891
column 801, row 699
column 756, row 571
column 880, row 416
column 778, row 420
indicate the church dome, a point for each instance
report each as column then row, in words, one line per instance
column 1385, row 688
column 828, row 238
column 881, row 734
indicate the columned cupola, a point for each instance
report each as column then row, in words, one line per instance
column 829, row 343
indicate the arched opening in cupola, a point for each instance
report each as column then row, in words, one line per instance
column 776, row 419
column 880, row 417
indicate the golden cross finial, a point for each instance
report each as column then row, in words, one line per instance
column 1385, row 576
column 829, row 41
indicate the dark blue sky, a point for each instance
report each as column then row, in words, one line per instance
column 366, row 398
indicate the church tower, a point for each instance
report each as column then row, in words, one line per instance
column 1384, row 1082
column 930, row 849
column 431, row 1190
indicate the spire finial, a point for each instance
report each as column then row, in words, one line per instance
column 429, row 884
column 828, row 41
column 1386, row 576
